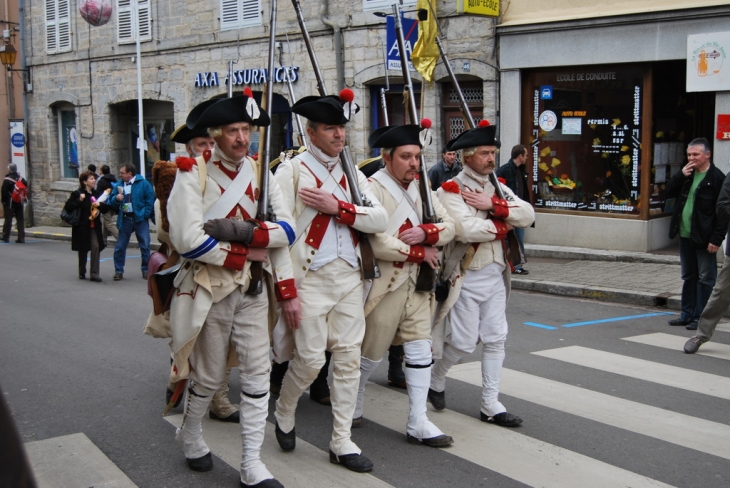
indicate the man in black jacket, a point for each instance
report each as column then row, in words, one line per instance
column 109, row 219
column 701, row 230
column 515, row 176
column 10, row 208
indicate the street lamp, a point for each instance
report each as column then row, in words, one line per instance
column 7, row 56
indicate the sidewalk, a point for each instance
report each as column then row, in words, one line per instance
column 646, row 279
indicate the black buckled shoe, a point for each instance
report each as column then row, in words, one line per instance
column 503, row 419
column 437, row 399
column 692, row 325
column 235, row 417
column 287, row 441
column 678, row 321
column 269, row 483
column 442, row 440
column 354, row 462
column 204, row 463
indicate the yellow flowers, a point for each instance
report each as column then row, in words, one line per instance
column 555, row 163
column 545, row 152
column 625, row 160
column 596, row 142
column 616, row 122
column 543, row 166
column 624, row 148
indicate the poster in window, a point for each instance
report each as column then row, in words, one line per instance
column 571, row 125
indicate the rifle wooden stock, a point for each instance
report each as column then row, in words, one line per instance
column 262, row 211
column 427, row 276
column 369, row 265
column 515, row 254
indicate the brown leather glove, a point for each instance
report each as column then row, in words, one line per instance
column 230, row 230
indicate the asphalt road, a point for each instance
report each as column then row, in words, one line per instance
column 73, row 359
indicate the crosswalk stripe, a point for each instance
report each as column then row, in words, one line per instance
column 504, row 451
column 307, row 466
column 708, row 437
column 676, row 343
column 73, row 460
column 705, row 383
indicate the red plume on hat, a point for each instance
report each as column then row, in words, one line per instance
column 348, row 108
column 425, row 135
column 484, row 123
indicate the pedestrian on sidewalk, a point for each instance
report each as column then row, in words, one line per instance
column 719, row 301
column 701, row 230
column 108, row 220
column 86, row 235
column 444, row 170
column 514, row 174
column 11, row 208
column 134, row 199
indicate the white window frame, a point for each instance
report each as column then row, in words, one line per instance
column 58, row 26
column 240, row 13
column 368, row 5
column 125, row 26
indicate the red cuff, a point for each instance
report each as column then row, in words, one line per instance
column 346, row 214
column 500, row 208
column 501, row 227
column 417, row 254
column 236, row 257
column 284, row 290
column 432, row 233
column 260, row 235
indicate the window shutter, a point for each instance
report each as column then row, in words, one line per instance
column 51, row 27
column 240, row 13
column 64, row 26
column 125, row 29
column 124, row 22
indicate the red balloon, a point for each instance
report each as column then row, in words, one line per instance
column 96, row 12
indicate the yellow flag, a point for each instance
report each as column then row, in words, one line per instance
column 425, row 52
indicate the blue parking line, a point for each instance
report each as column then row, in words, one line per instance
column 112, row 258
column 600, row 321
column 541, row 326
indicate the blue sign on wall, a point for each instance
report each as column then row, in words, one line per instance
column 546, row 92
column 410, row 36
column 18, row 140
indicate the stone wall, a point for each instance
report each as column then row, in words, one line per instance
column 99, row 75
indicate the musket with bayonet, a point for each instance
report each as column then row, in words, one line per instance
column 383, row 103
column 427, row 276
column 515, row 253
column 370, row 268
column 263, row 212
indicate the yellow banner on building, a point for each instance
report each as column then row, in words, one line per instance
column 425, row 53
column 488, row 8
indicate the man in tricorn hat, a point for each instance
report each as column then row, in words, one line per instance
column 476, row 266
column 327, row 272
column 196, row 142
column 394, row 304
column 212, row 227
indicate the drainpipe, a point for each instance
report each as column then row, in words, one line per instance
column 323, row 12
column 25, row 75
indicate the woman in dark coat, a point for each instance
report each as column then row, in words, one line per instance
column 86, row 236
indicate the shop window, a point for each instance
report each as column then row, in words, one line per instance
column 396, row 109
column 678, row 117
column 585, row 127
column 377, row 4
column 240, row 13
column 58, row 26
column 68, row 143
column 125, row 27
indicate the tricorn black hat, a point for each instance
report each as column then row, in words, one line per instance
column 183, row 134
column 229, row 111
column 395, row 135
column 331, row 110
column 484, row 135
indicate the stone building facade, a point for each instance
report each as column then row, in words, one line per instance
column 83, row 109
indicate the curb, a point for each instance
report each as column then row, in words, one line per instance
column 575, row 254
